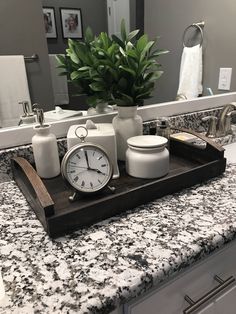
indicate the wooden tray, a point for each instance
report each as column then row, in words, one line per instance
column 49, row 197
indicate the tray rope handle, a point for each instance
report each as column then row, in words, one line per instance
column 43, row 197
column 209, row 142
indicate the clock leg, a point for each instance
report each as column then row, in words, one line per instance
column 112, row 189
column 73, row 197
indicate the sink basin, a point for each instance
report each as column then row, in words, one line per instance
column 230, row 152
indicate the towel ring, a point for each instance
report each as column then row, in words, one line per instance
column 198, row 27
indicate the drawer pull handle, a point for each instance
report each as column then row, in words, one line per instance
column 194, row 305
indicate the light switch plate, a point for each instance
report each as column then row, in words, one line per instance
column 225, row 78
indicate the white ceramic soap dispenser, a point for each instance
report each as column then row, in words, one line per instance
column 45, row 149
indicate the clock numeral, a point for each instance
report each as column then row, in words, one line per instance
column 76, row 178
column 99, row 157
column 99, row 181
column 93, row 153
column 83, row 184
column 77, row 155
column 91, row 184
column 104, row 165
column 72, row 163
column 72, row 171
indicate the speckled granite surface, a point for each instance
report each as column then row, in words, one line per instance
column 97, row 268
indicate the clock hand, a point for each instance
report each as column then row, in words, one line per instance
column 78, row 167
column 97, row 170
column 86, row 157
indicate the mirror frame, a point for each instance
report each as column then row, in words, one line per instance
column 17, row 136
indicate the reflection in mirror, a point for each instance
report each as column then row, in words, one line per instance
column 25, row 35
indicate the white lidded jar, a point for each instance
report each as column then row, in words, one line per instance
column 45, row 150
column 147, row 157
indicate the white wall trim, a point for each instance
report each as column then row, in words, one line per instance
column 16, row 136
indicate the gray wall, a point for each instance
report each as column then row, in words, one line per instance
column 169, row 19
column 93, row 15
column 22, row 32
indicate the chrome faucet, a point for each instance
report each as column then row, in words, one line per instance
column 211, row 132
column 223, row 125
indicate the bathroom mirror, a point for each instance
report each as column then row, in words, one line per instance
column 25, row 35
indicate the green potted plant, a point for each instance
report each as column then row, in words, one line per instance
column 115, row 70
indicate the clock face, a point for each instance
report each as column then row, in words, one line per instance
column 87, row 168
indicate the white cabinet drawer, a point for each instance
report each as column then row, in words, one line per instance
column 225, row 304
column 195, row 282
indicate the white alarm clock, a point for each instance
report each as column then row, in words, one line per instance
column 86, row 166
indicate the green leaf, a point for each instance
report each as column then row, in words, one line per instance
column 144, row 95
column 74, row 75
column 118, row 41
column 105, row 40
column 142, row 42
column 147, row 48
column 160, row 52
column 119, row 102
column 122, row 51
column 155, row 76
column 85, row 68
column 82, row 53
column 132, row 34
column 97, row 87
column 128, row 70
column 132, row 53
column 111, row 49
column 61, row 60
column 127, row 98
column 74, row 57
column 89, row 35
column 123, row 30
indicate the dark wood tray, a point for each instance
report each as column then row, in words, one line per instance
column 49, row 198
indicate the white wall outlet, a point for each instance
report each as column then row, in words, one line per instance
column 225, row 78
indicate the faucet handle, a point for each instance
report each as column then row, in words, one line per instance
column 228, row 117
column 26, row 108
column 231, row 113
column 233, row 104
column 211, row 132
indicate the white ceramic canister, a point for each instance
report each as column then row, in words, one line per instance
column 45, row 152
column 147, row 157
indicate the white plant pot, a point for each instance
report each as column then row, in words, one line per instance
column 126, row 124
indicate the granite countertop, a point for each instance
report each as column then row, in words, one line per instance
column 98, row 268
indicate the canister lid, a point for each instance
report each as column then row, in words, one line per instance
column 147, row 141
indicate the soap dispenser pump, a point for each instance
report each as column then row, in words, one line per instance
column 45, row 149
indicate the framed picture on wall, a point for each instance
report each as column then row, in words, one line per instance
column 71, row 21
column 49, row 22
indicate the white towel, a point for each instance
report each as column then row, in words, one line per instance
column 190, row 76
column 13, row 88
column 59, row 83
